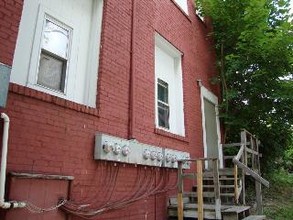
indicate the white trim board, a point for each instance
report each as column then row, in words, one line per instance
column 208, row 95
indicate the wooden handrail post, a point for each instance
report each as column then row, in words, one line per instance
column 258, row 184
column 244, row 161
column 199, row 189
column 236, row 183
column 259, row 206
column 248, row 167
column 180, row 192
column 244, row 142
column 258, row 156
column 217, row 188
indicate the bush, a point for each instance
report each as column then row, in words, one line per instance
column 278, row 199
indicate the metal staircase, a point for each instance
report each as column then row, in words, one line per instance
column 219, row 193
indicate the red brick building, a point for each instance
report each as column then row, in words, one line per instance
column 134, row 70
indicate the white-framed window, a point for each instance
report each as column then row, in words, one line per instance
column 183, row 5
column 57, row 48
column 54, row 55
column 163, row 104
column 169, row 89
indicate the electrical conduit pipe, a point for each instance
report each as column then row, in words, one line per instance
column 3, row 204
column 132, row 82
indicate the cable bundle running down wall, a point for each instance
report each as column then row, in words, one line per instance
column 148, row 181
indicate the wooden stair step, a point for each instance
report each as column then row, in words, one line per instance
column 221, row 178
column 194, row 206
column 194, row 194
column 255, row 217
column 174, row 200
column 223, row 171
column 209, row 187
column 229, row 212
column 212, row 186
column 236, row 209
column 192, row 214
column 208, row 194
column 235, row 212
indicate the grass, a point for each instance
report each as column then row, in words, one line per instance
column 278, row 199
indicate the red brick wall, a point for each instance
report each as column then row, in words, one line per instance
column 43, row 192
column 10, row 13
column 51, row 135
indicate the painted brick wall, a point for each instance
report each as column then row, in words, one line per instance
column 55, row 136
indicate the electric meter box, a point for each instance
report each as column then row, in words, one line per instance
column 116, row 149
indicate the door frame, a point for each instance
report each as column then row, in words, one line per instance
column 208, row 95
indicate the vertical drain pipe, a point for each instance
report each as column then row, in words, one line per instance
column 3, row 204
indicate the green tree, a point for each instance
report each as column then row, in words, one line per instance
column 254, row 45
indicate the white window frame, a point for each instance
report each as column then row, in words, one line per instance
column 208, row 95
column 175, row 90
column 27, row 53
column 166, row 104
column 183, row 5
column 36, row 53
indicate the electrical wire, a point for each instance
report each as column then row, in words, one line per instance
column 145, row 187
column 106, row 176
column 106, row 191
column 36, row 209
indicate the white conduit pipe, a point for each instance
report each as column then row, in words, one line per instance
column 3, row 204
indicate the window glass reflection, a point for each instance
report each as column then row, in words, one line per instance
column 55, row 39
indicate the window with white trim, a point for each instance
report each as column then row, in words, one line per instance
column 163, row 104
column 58, row 48
column 183, row 5
column 169, row 90
column 54, row 55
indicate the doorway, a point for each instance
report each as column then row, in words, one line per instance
column 211, row 126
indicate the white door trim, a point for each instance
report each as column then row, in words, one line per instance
column 208, row 95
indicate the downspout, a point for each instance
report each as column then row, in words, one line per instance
column 132, row 78
column 3, row 204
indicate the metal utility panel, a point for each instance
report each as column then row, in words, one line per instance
column 4, row 84
column 146, row 154
column 111, row 148
column 127, row 151
column 117, row 149
column 172, row 156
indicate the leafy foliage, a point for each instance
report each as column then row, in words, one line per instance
column 278, row 199
column 254, row 45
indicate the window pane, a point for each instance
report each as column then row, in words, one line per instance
column 163, row 91
column 163, row 115
column 55, row 39
column 51, row 72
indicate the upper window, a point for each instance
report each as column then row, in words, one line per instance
column 169, row 89
column 54, row 55
column 58, row 48
column 163, row 104
column 183, row 5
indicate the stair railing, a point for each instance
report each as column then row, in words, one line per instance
column 248, row 160
column 199, row 179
